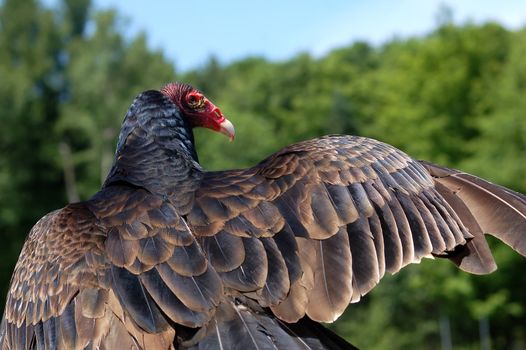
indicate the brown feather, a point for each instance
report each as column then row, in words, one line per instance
column 277, row 284
column 295, row 304
column 122, row 252
column 475, row 257
column 168, row 300
column 154, row 250
column 340, row 198
column 288, row 247
column 365, row 270
column 224, row 251
column 252, row 273
column 333, row 273
column 188, row 260
column 200, row 293
column 93, row 302
column 498, row 210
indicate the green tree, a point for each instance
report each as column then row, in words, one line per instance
column 430, row 91
column 30, row 181
column 104, row 72
column 500, row 151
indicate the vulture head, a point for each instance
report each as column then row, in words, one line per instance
column 198, row 109
column 156, row 147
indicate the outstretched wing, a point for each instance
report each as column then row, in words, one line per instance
column 117, row 271
column 316, row 225
column 61, row 263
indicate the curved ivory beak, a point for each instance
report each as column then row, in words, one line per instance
column 227, row 128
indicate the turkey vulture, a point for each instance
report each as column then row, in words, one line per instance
column 167, row 255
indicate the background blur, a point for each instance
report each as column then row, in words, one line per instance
column 446, row 90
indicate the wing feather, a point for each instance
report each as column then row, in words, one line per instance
column 277, row 283
column 113, row 271
column 252, row 273
column 498, row 211
column 390, row 207
column 168, row 300
column 225, row 252
column 365, row 270
column 136, row 301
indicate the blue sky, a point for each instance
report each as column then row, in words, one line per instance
column 190, row 31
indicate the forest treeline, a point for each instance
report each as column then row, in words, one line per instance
column 456, row 96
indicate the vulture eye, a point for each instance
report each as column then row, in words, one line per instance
column 195, row 100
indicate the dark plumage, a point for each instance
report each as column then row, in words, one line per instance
column 168, row 255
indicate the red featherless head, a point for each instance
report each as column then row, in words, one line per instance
column 198, row 109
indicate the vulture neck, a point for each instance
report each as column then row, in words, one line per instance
column 156, row 149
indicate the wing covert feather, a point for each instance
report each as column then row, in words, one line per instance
column 377, row 202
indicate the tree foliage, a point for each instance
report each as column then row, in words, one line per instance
column 456, row 96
